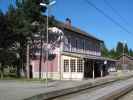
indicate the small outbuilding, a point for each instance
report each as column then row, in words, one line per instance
column 125, row 62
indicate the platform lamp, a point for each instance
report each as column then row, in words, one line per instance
column 47, row 6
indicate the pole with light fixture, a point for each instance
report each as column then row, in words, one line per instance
column 47, row 6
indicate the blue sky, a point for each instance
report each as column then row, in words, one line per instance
column 87, row 18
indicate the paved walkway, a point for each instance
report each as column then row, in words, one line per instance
column 18, row 90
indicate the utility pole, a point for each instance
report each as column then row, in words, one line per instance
column 47, row 6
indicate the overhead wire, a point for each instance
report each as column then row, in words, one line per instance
column 108, row 17
column 115, row 11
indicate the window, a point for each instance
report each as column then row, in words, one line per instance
column 76, row 44
column 79, row 65
column 73, row 45
column 66, row 65
column 69, row 43
column 72, row 65
column 83, row 45
column 66, row 44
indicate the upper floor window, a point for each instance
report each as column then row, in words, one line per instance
column 83, row 44
column 69, row 44
column 76, row 43
column 73, row 44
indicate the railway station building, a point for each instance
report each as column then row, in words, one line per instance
column 76, row 56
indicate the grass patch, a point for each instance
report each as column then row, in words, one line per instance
column 23, row 79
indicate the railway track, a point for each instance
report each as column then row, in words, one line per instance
column 126, row 96
column 69, row 96
column 79, row 95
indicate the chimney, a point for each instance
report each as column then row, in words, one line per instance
column 68, row 22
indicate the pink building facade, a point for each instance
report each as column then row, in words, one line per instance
column 76, row 56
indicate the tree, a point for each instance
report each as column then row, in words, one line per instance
column 6, row 41
column 130, row 52
column 112, row 53
column 104, row 50
column 20, row 28
column 21, row 17
column 126, row 51
column 119, row 49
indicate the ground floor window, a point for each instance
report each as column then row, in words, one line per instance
column 72, row 65
column 79, row 65
column 66, row 65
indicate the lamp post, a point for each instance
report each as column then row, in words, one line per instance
column 47, row 6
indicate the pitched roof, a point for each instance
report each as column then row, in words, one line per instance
column 76, row 30
column 130, row 57
column 73, row 29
